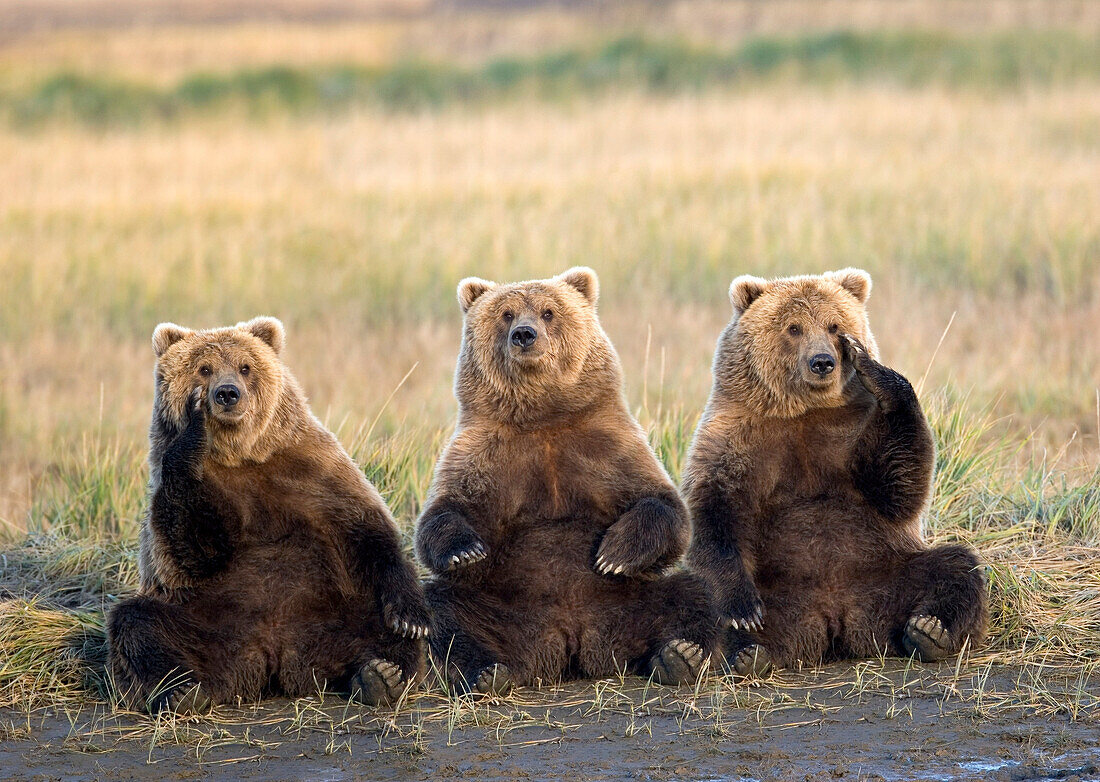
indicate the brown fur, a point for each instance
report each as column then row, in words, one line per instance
column 546, row 473
column 268, row 562
column 806, row 492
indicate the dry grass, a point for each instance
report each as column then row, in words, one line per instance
column 172, row 39
column 355, row 231
column 977, row 211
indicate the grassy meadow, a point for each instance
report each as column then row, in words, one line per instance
column 344, row 177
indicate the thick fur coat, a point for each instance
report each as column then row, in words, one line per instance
column 806, row 482
column 550, row 525
column 268, row 563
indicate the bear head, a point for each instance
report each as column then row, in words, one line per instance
column 782, row 353
column 243, row 385
column 533, row 350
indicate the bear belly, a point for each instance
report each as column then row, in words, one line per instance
column 825, row 544
column 544, row 559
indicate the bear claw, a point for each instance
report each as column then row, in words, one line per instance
column 606, row 568
column 468, row 557
column 750, row 662
column 494, row 680
column 678, row 662
column 410, row 621
column 752, row 624
column 926, row 638
column 379, row 682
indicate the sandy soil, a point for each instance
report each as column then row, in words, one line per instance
column 836, row 736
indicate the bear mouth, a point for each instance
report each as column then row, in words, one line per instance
column 231, row 417
column 527, row 357
column 820, row 384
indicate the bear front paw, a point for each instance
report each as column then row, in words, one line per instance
column 463, row 556
column 618, row 555
column 407, row 616
column 378, row 683
column 194, row 412
column 745, row 611
column 888, row 387
column 926, row 638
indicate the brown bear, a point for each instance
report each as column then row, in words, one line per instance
column 550, row 525
column 268, row 563
column 806, row 481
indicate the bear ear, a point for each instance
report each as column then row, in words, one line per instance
column 268, row 329
column 166, row 335
column 744, row 290
column 583, row 279
column 856, row 281
column 470, row 289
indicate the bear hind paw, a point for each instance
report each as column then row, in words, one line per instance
column 678, row 662
column 494, row 680
column 751, row 661
column 378, row 683
column 926, row 638
column 182, row 699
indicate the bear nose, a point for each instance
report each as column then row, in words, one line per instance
column 822, row 364
column 523, row 336
column 227, row 395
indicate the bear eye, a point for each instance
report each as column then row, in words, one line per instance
column 834, row 328
column 205, row 371
column 794, row 329
column 245, row 369
column 548, row 315
column 508, row 317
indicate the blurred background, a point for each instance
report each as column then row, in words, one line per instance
column 341, row 164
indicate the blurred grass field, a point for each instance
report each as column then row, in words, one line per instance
column 344, row 176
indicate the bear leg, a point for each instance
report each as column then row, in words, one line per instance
column 795, row 631
column 744, row 656
column 465, row 659
column 940, row 603
column 145, row 638
column 351, row 651
column 666, row 629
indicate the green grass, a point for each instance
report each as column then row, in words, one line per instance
column 1035, row 534
column 1008, row 60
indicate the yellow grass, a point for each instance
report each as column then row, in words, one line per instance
column 355, row 230
column 977, row 210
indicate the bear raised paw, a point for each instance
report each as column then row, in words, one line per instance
column 806, row 481
column 550, row 526
column 268, row 563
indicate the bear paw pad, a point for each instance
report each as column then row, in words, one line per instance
column 378, row 683
column 183, row 699
column 494, row 680
column 678, row 662
column 926, row 638
column 750, row 662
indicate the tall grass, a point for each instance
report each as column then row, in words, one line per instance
column 349, row 195
column 1037, row 537
column 1007, row 60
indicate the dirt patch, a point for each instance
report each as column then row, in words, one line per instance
column 877, row 722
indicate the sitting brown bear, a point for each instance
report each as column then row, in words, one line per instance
column 550, row 524
column 806, row 481
column 268, row 563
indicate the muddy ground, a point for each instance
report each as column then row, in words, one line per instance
column 925, row 726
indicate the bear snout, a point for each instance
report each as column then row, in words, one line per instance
column 523, row 336
column 822, row 364
column 227, row 395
